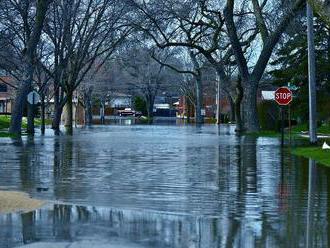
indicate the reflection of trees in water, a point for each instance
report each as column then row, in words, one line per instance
column 258, row 200
column 68, row 223
column 68, row 159
column 31, row 162
column 63, row 158
column 65, row 223
column 28, row 233
column 249, row 165
column 306, row 216
column 241, row 202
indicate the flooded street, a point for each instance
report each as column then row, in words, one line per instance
column 164, row 186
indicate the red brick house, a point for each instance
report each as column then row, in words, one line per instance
column 185, row 108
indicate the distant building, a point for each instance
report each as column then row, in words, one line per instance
column 164, row 106
column 186, row 109
column 120, row 101
column 115, row 102
column 78, row 112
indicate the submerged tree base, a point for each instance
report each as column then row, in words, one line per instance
column 316, row 153
column 11, row 201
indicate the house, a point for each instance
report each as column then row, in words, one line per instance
column 164, row 106
column 116, row 101
column 78, row 112
column 7, row 88
column 186, row 109
column 120, row 101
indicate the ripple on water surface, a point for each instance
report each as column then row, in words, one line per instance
column 237, row 187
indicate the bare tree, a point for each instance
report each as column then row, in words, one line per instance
column 223, row 33
column 42, row 80
column 270, row 36
column 99, row 87
column 193, row 25
column 81, row 32
column 25, row 22
column 193, row 67
column 146, row 76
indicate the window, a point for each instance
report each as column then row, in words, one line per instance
column 3, row 87
column 2, row 106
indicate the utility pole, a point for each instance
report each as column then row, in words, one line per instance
column 218, row 101
column 311, row 75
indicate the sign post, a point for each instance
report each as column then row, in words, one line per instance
column 33, row 99
column 283, row 97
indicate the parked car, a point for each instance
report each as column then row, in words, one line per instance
column 129, row 112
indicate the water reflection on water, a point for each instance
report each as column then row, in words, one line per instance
column 166, row 186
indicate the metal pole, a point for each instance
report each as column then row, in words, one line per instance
column 218, row 101
column 33, row 112
column 290, row 125
column 282, row 126
column 311, row 75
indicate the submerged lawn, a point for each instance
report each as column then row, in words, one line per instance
column 324, row 129
column 316, row 153
column 5, row 123
column 296, row 132
column 6, row 135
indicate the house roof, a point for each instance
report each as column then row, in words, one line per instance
column 8, row 80
column 11, row 83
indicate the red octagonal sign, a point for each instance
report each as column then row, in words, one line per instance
column 283, row 96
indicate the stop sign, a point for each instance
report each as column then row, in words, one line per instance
column 283, row 96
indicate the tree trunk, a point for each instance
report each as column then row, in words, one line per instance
column 102, row 112
column 43, row 112
column 238, row 107
column 251, row 119
column 188, row 104
column 30, row 119
column 20, row 101
column 232, row 117
column 150, row 113
column 69, row 113
column 57, row 120
column 150, row 108
column 89, row 113
column 58, row 109
column 199, row 101
column 88, row 107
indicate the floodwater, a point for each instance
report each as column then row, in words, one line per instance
column 164, row 186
